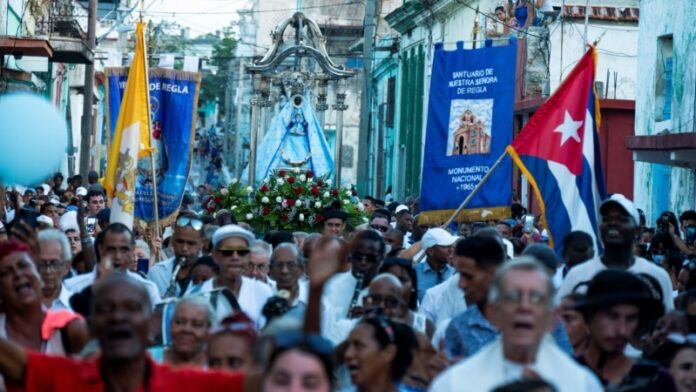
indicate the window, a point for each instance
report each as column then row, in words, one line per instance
column 663, row 78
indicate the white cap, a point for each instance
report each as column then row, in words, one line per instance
column 437, row 237
column 45, row 220
column 624, row 203
column 400, row 207
column 81, row 191
column 229, row 231
column 69, row 221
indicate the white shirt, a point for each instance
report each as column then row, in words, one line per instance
column 161, row 275
column 443, row 301
column 62, row 302
column 302, row 293
column 80, row 282
column 584, row 272
column 253, row 295
column 335, row 304
column 492, row 370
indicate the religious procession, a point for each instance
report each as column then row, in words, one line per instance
column 347, row 196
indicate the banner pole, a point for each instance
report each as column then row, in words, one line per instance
column 473, row 191
column 149, row 134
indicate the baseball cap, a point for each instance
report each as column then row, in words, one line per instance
column 437, row 237
column 231, row 231
column 400, row 208
column 81, row 191
column 623, row 202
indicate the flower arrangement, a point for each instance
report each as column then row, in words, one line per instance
column 293, row 200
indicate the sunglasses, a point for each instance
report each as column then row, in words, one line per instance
column 230, row 252
column 370, row 258
column 383, row 229
column 195, row 223
column 316, row 343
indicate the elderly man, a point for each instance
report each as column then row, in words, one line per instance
column 186, row 241
column 259, row 262
column 521, row 299
column 617, row 303
column 53, row 265
column 437, row 244
column 231, row 247
column 618, row 229
column 121, row 323
column 287, row 267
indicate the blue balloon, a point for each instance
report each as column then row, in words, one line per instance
column 34, row 138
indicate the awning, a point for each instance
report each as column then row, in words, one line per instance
column 676, row 149
column 20, row 46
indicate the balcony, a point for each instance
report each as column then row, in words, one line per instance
column 64, row 24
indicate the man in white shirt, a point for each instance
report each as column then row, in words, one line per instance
column 53, row 265
column 259, row 263
column 287, row 267
column 618, row 229
column 231, row 246
column 521, row 300
column 444, row 301
column 186, row 242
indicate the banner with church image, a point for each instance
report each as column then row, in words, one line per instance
column 173, row 106
column 470, row 122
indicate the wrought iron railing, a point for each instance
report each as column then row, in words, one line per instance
column 64, row 18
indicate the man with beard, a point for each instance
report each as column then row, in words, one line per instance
column 121, row 324
column 618, row 229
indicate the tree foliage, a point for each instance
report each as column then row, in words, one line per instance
column 214, row 85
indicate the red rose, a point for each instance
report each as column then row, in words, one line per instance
column 315, row 190
column 298, row 190
column 335, row 192
column 310, row 174
column 281, row 173
column 291, row 202
column 284, row 217
column 264, row 188
column 291, row 180
column 320, row 183
column 211, row 209
column 319, row 218
column 217, row 199
column 266, row 210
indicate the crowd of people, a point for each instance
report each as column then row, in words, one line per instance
column 394, row 304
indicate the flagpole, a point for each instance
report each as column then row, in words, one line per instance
column 473, row 191
column 149, row 131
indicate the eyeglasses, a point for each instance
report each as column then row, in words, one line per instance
column 316, row 343
column 229, row 252
column 370, row 258
column 195, row 223
column 279, row 266
column 261, row 267
column 381, row 228
column 387, row 302
column 517, row 296
column 45, row 265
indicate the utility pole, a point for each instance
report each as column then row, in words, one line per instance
column 366, row 104
column 86, row 128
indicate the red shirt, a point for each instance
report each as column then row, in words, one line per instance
column 48, row 373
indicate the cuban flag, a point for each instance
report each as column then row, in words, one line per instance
column 558, row 152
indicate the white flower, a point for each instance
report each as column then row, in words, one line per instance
column 264, row 200
column 233, row 208
column 346, row 201
column 298, row 202
column 249, row 189
column 349, row 193
column 303, row 177
column 250, row 216
column 317, row 204
column 224, row 191
column 326, row 194
column 296, row 170
column 280, row 181
column 234, row 181
column 265, row 180
column 361, row 206
column 301, row 217
column 279, row 199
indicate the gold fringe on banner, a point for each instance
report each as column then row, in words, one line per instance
column 466, row 215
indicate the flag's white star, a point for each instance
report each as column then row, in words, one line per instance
column 569, row 129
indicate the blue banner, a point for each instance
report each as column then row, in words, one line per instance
column 173, row 104
column 470, row 114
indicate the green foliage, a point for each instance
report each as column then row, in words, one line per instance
column 213, row 86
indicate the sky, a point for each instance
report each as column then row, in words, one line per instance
column 201, row 16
